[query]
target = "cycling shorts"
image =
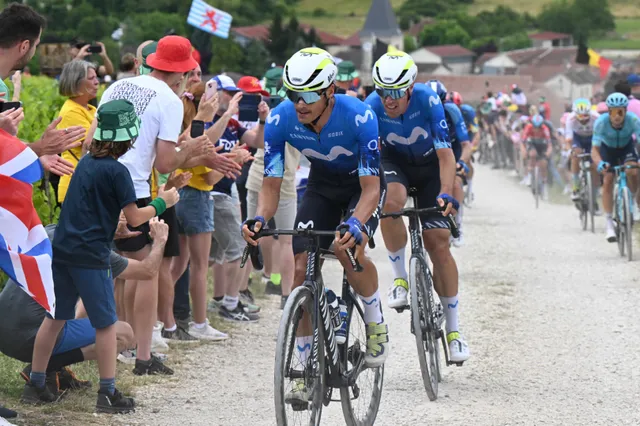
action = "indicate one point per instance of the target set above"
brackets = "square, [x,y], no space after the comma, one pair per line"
[618,156]
[583,142]
[540,146]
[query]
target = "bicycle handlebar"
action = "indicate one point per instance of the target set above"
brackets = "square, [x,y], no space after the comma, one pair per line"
[614,169]
[455,232]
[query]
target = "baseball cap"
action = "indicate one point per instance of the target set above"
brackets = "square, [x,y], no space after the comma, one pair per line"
[117,122]
[251,84]
[346,71]
[273,80]
[225,83]
[173,54]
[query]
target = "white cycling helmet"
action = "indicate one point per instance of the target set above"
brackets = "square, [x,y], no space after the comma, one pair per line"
[394,71]
[309,70]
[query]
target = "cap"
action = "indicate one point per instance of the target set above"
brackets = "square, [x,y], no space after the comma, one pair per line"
[173,54]
[249,84]
[117,122]
[273,80]
[346,71]
[146,51]
[225,83]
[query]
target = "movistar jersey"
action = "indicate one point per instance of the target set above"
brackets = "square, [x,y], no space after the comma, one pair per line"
[347,145]
[415,136]
[457,127]
[470,118]
[604,133]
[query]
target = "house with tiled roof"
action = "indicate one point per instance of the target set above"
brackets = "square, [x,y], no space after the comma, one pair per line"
[429,62]
[575,83]
[243,35]
[550,39]
[455,57]
[541,63]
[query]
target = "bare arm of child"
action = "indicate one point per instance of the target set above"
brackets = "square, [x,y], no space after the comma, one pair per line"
[137,216]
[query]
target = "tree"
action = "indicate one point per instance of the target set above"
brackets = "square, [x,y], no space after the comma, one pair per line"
[409,43]
[227,56]
[256,59]
[518,40]
[444,32]
[278,43]
[581,18]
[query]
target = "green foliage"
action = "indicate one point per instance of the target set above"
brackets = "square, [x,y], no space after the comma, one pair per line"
[227,56]
[409,44]
[44,200]
[413,9]
[42,102]
[519,40]
[444,32]
[583,19]
[318,12]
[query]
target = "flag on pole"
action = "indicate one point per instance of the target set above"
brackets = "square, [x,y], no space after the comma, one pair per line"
[25,249]
[595,60]
[208,18]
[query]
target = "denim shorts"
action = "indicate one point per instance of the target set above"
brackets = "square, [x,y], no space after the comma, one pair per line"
[195,211]
[227,243]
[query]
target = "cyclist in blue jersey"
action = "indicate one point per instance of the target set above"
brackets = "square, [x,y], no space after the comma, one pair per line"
[339,136]
[473,128]
[416,152]
[612,145]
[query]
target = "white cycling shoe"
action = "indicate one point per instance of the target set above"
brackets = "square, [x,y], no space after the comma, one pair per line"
[398,294]
[458,347]
[611,232]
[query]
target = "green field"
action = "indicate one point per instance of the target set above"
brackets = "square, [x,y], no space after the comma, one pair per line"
[627,36]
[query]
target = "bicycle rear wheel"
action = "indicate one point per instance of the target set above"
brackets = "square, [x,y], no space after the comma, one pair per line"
[628,221]
[288,366]
[592,202]
[422,307]
[536,185]
[360,403]
[584,199]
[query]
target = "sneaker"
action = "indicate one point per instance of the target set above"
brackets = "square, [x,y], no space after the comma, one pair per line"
[183,324]
[298,393]
[283,301]
[214,305]
[271,288]
[398,294]
[250,308]
[377,344]
[611,232]
[207,332]
[114,404]
[458,242]
[127,356]
[157,342]
[34,395]
[178,336]
[151,367]
[5,413]
[162,357]
[51,381]
[527,180]
[458,348]
[68,380]
[247,297]
[239,314]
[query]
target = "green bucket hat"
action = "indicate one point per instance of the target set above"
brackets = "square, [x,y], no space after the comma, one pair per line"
[485,108]
[346,71]
[117,122]
[273,81]
[146,51]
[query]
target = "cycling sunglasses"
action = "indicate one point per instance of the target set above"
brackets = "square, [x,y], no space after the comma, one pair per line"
[582,117]
[392,93]
[307,97]
[617,111]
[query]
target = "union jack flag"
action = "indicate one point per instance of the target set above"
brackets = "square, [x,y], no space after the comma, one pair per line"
[25,250]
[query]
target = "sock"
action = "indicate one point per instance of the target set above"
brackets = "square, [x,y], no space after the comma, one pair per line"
[37,379]
[108,385]
[276,279]
[450,306]
[303,345]
[230,302]
[175,326]
[397,263]
[218,299]
[65,359]
[200,326]
[576,181]
[372,308]
[470,187]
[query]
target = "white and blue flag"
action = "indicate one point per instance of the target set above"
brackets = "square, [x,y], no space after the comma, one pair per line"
[208,18]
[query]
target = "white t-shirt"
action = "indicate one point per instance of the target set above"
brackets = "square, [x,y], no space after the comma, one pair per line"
[160,111]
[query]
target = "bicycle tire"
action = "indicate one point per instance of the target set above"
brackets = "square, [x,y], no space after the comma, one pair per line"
[628,221]
[592,202]
[301,296]
[584,212]
[348,410]
[536,185]
[619,217]
[421,315]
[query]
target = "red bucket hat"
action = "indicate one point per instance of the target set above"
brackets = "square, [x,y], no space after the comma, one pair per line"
[250,84]
[172,55]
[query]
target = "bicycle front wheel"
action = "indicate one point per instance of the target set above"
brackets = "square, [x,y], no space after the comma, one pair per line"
[360,402]
[619,208]
[584,200]
[628,221]
[592,201]
[294,376]
[422,314]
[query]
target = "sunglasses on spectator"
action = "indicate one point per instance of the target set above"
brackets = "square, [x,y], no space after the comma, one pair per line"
[307,97]
[617,111]
[392,93]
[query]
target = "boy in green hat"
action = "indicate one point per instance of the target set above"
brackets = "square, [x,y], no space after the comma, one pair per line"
[273,82]
[344,79]
[100,189]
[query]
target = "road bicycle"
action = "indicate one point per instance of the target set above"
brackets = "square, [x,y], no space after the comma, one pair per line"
[586,204]
[537,184]
[329,366]
[622,210]
[427,315]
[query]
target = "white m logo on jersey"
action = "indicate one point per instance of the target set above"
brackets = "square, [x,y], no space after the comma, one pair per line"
[272,118]
[433,100]
[361,119]
[305,225]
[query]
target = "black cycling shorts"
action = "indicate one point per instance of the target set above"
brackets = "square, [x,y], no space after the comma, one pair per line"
[540,147]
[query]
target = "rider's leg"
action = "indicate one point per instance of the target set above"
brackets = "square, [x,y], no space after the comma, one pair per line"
[542,165]
[575,167]
[394,232]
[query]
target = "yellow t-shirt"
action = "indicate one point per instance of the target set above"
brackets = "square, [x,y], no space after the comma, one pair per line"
[73,114]
[197,180]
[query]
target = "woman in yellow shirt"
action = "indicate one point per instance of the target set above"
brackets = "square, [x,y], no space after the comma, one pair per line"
[79,82]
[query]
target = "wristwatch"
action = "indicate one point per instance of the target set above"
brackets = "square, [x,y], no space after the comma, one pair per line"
[263,122]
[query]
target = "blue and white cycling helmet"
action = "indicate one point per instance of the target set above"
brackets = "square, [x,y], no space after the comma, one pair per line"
[616,100]
[537,120]
[438,87]
[581,106]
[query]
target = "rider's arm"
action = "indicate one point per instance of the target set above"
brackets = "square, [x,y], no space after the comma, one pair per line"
[597,140]
[526,133]
[274,151]
[463,136]
[547,138]
[568,133]
[442,144]
[368,170]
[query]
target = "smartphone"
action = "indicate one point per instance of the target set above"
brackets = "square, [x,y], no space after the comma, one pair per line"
[274,101]
[95,48]
[211,90]
[248,107]
[197,128]
[6,106]
[340,91]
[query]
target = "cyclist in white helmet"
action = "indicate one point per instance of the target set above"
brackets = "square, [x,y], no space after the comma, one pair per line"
[416,152]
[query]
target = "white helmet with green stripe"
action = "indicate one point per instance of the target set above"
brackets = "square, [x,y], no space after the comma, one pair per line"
[394,70]
[309,70]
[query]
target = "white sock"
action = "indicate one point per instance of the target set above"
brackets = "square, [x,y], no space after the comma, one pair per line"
[450,306]
[303,346]
[470,186]
[230,302]
[200,326]
[397,263]
[175,326]
[372,308]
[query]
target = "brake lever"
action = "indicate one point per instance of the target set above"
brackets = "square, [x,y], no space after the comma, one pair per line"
[351,253]
[455,231]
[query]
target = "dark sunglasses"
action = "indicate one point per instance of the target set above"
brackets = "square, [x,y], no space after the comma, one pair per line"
[392,93]
[307,97]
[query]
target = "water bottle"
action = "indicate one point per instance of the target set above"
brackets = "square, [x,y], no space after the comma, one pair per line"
[341,333]
[334,312]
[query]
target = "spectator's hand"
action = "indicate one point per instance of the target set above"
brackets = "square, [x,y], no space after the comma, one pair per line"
[104,49]
[178,181]
[2,95]
[123,231]
[55,141]
[159,231]
[170,196]
[208,108]
[233,105]
[242,155]
[263,110]
[224,163]
[83,53]
[10,119]
[56,165]
[200,145]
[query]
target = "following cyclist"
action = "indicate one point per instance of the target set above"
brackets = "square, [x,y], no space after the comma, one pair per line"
[577,136]
[537,136]
[416,152]
[613,145]
[339,136]
[470,119]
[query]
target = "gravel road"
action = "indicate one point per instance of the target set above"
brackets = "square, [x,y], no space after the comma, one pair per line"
[550,312]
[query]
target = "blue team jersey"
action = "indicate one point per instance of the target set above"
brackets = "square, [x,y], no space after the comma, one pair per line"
[604,133]
[419,132]
[470,118]
[457,127]
[346,145]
